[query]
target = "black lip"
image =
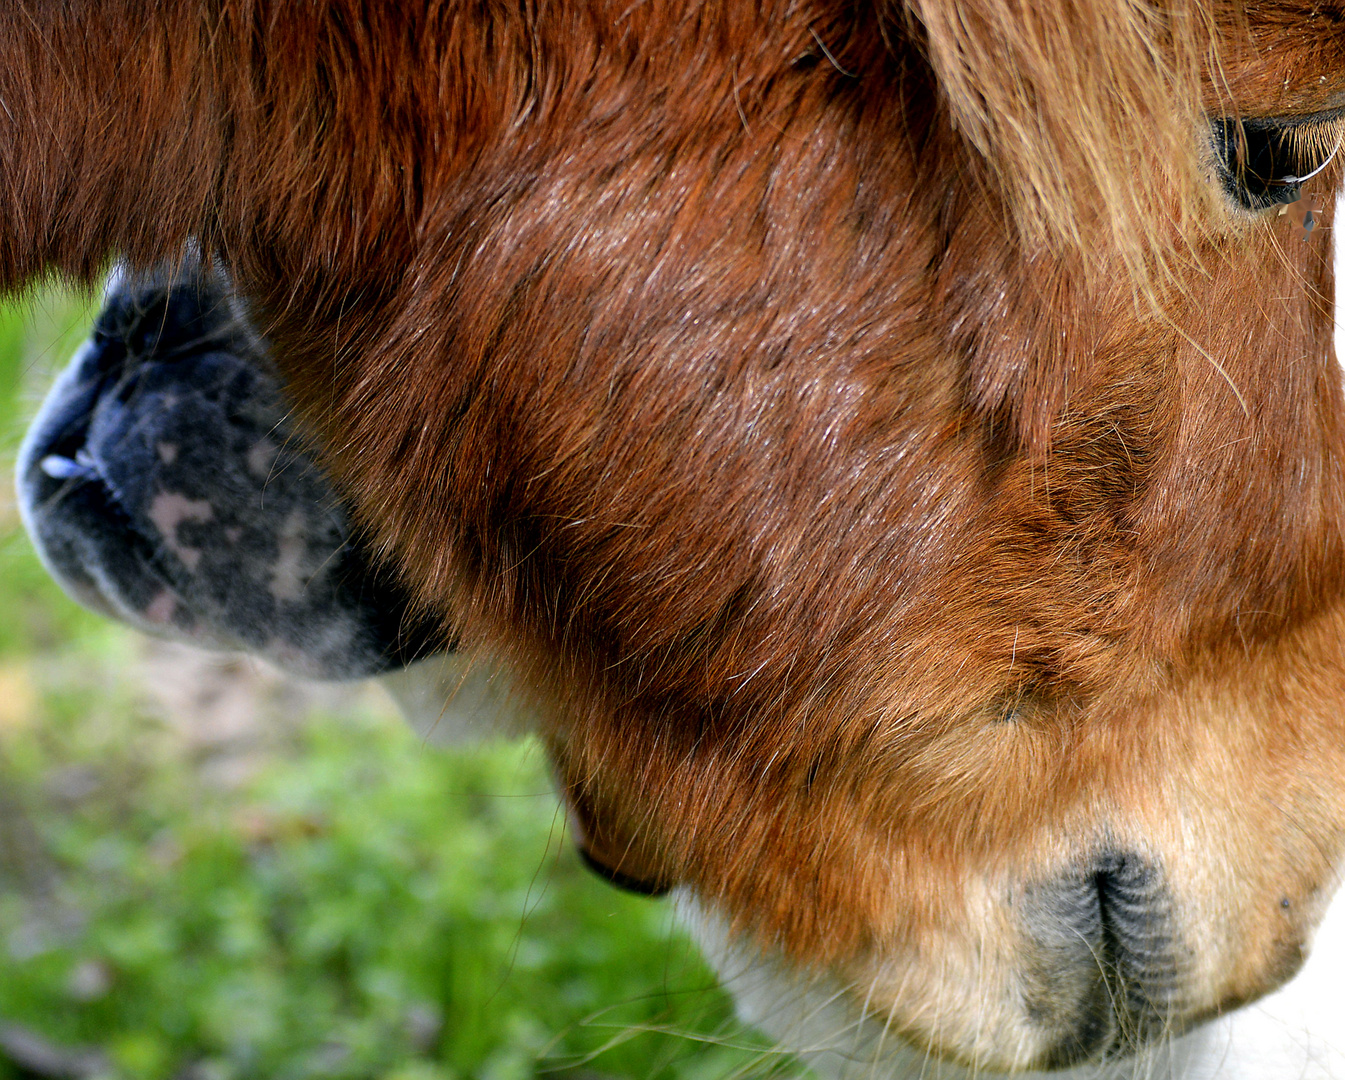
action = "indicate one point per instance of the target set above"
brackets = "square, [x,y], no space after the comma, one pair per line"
[625,882]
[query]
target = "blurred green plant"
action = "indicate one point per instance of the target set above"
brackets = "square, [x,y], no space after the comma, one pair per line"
[359,905]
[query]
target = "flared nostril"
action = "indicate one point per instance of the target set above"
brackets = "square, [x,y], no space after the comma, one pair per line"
[1105,969]
[55,467]
[1139,944]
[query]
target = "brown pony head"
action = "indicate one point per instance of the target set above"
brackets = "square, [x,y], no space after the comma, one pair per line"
[900,444]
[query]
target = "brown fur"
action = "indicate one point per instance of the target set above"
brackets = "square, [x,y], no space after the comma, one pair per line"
[870,430]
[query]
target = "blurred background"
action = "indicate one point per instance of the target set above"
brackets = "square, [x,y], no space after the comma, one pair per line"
[209,871]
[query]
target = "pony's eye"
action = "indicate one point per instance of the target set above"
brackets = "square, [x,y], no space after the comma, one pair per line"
[1264,160]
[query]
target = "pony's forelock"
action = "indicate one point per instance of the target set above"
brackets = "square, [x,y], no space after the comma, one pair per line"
[1089,117]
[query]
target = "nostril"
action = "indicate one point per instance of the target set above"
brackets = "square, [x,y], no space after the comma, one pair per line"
[1106,971]
[1136,913]
[1138,947]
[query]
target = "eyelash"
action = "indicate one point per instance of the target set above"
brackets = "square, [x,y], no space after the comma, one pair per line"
[1263,161]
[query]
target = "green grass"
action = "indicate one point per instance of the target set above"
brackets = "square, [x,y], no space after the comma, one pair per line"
[353,904]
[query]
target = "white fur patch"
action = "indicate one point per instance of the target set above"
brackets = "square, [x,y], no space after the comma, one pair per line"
[452,700]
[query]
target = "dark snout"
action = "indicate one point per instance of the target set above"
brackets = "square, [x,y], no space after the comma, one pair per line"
[163,485]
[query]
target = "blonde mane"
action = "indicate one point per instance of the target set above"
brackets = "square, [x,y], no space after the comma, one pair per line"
[1086,114]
